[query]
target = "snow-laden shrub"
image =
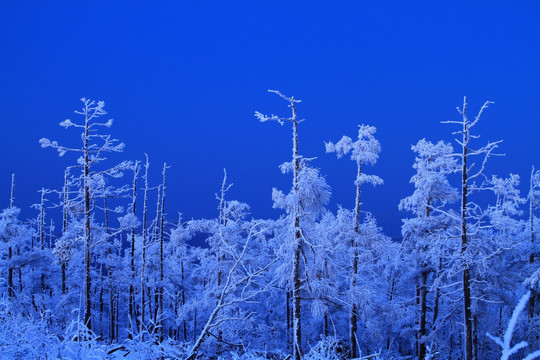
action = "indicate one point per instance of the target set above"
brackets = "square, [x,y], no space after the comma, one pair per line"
[328,348]
[143,347]
[80,343]
[25,338]
[253,355]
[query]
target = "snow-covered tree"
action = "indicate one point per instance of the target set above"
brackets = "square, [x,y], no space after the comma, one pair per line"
[534,204]
[468,216]
[363,151]
[296,214]
[433,164]
[132,306]
[93,148]
[121,280]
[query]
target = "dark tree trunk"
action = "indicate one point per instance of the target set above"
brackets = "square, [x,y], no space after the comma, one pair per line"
[475,337]
[101,301]
[423,315]
[143,250]
[326,323]
[353,320]
[436,299]
[11,289]
[11,292]
[65,224]
[132,310]
[297,316]
[466,270]
[161,258]
[532,301]
[289,318]
[297,319]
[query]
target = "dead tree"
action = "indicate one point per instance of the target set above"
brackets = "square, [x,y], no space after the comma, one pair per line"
[466,216]
[143,245]
[297,233]
[132,309]
[11,290]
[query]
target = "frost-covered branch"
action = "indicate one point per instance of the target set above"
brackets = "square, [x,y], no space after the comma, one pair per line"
[505,342]
[231,286]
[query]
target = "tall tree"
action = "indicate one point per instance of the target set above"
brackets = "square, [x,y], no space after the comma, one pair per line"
[132,307]
[433,164]
[11,292]
[297,240]
[365,150]
[92,150]
[143,245]
[467,216]
[534,203]
[161,246]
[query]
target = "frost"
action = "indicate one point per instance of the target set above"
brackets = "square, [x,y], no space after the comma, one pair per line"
[67,123]
[129,221]
[505,342]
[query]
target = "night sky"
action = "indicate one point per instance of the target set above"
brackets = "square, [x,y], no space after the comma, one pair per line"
[182,79]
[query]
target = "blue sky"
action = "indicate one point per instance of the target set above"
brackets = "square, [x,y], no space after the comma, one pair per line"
[182,80]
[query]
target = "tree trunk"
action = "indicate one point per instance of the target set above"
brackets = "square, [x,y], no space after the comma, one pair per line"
[195,326]
[112,332]
[297,325]
[466,271]
[101,301]
[423,314]
[42,232]
[183,301]
[143,250]
[532,300]
[422,297]
[297,316]
[11,290]
[353,320]
[87,233]
[132,310]
[326,323]
[437,298]
[288,296]
[297,243]
[156,289]
[475,337]
[161,265]
[65,224]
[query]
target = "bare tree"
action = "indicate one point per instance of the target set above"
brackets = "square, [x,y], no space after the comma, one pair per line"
[11,290]
[132,308]
[297,240]
[143,245]
[467,216]
[161,259]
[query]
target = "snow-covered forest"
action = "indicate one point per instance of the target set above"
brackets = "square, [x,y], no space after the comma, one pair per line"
[108,267]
